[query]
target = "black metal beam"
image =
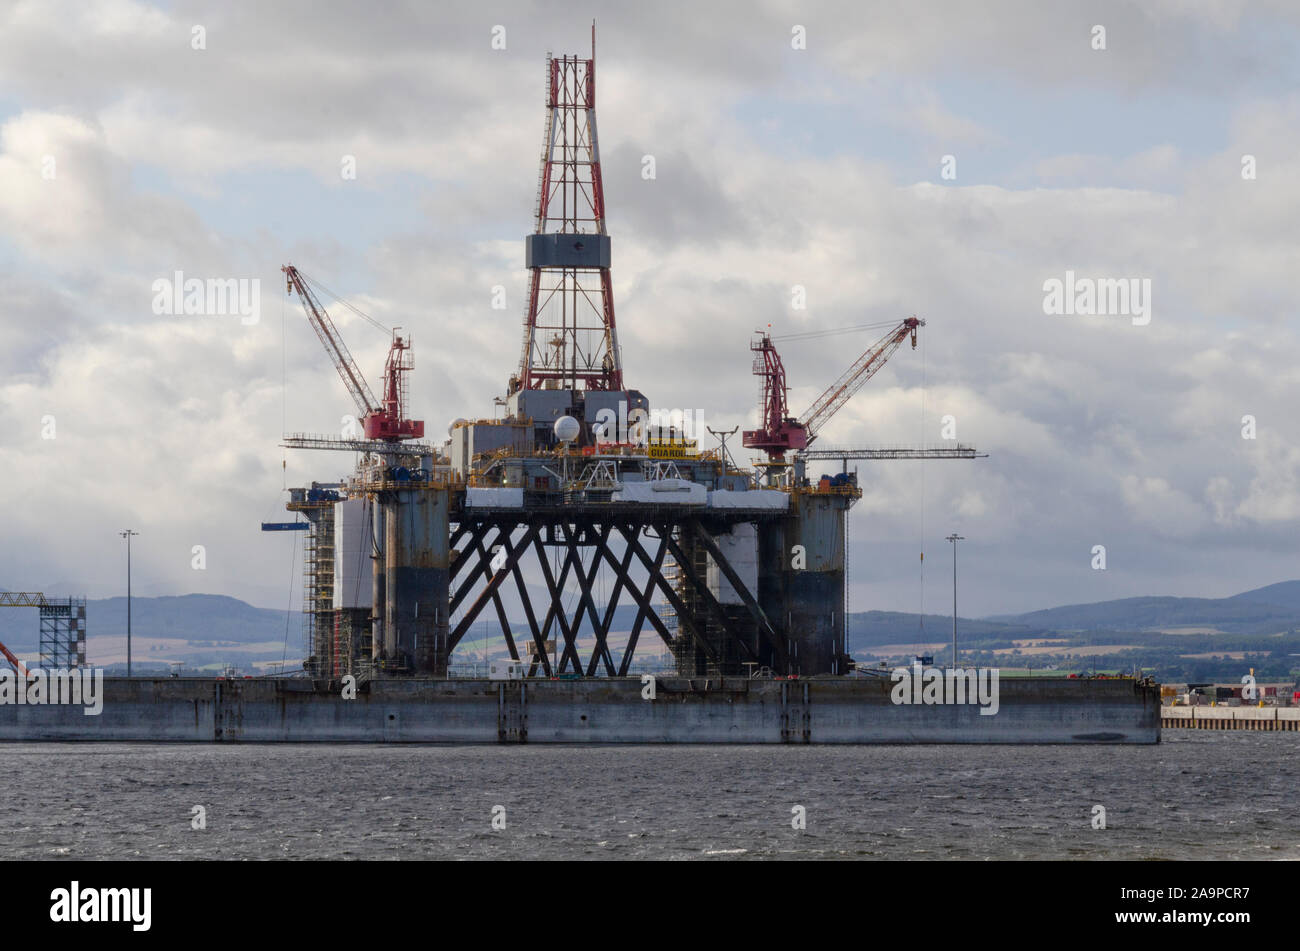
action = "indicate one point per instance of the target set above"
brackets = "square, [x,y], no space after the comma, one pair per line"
[683,616]
[596,532]
[504,621]
[463,529]
[620,574]
[710,602]
[601,651]
[533,532]
[556,610]
[646,610]
[765,628]
[574,560]
[494,582]
[586,577]
[477,533]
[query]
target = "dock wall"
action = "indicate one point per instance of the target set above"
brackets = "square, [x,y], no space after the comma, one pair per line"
[1231,718]
[604,710]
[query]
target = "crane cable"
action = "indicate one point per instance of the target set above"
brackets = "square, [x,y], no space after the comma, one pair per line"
[284,394]
[830,332]
[284,476]
[318,286]
[921,611]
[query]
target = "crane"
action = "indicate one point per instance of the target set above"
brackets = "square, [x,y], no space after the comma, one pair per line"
[384,421]
[782,433]
[13,661]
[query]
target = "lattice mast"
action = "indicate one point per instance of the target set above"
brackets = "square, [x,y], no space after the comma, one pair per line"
[570,341]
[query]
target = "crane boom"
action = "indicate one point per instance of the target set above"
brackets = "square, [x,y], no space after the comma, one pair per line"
[852,379]
[385,420]
[895,452]
[17,664]
[782,433]
[19,599]
[338,352]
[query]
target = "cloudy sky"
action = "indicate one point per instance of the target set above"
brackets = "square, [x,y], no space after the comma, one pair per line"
[128,154]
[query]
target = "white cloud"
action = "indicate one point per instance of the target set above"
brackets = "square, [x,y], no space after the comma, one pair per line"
[1096,428]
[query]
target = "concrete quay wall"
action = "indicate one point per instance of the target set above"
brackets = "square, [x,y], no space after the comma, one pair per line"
[815,710]
[1267,719]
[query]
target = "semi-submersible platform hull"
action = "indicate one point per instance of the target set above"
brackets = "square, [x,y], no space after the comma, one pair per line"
[847,710]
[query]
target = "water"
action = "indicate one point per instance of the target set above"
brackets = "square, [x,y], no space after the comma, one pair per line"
[1198,795]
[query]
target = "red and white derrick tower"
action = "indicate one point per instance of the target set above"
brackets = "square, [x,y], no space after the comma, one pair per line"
[570,341]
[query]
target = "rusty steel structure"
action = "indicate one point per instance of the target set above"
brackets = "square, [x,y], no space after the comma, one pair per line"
[709,635]
[571,527]
[570,340]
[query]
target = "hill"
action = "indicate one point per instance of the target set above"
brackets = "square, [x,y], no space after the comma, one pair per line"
[1265,610]
[1284,594]
[190,617]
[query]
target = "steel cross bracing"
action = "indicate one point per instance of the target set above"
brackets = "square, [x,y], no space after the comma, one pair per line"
[21,599]
[491,552]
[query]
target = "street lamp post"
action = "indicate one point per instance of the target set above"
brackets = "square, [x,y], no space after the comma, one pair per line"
[954,538]
[127,535]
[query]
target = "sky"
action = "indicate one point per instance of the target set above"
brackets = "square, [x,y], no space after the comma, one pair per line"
[947,160]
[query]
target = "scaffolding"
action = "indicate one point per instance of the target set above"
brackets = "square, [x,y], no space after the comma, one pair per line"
[318,629]
[63,633]
[62,642]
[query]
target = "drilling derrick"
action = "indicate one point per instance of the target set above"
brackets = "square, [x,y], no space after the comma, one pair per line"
[570,342]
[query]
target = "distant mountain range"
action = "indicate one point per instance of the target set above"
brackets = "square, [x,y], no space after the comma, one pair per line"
[189,617]
[1285,593]
[209,622]
[1261,611]
[1175,639]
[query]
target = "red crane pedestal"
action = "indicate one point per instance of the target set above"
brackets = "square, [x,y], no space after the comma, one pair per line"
[389,422]
[782,433]
[384,420]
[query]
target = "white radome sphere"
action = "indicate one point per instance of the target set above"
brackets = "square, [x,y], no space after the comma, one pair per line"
[459,421]
[567,429]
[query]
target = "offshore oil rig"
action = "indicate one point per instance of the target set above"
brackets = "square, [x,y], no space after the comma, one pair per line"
[576,505]
[579,486]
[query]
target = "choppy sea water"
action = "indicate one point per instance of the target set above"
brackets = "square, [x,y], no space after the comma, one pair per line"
[1197,795]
